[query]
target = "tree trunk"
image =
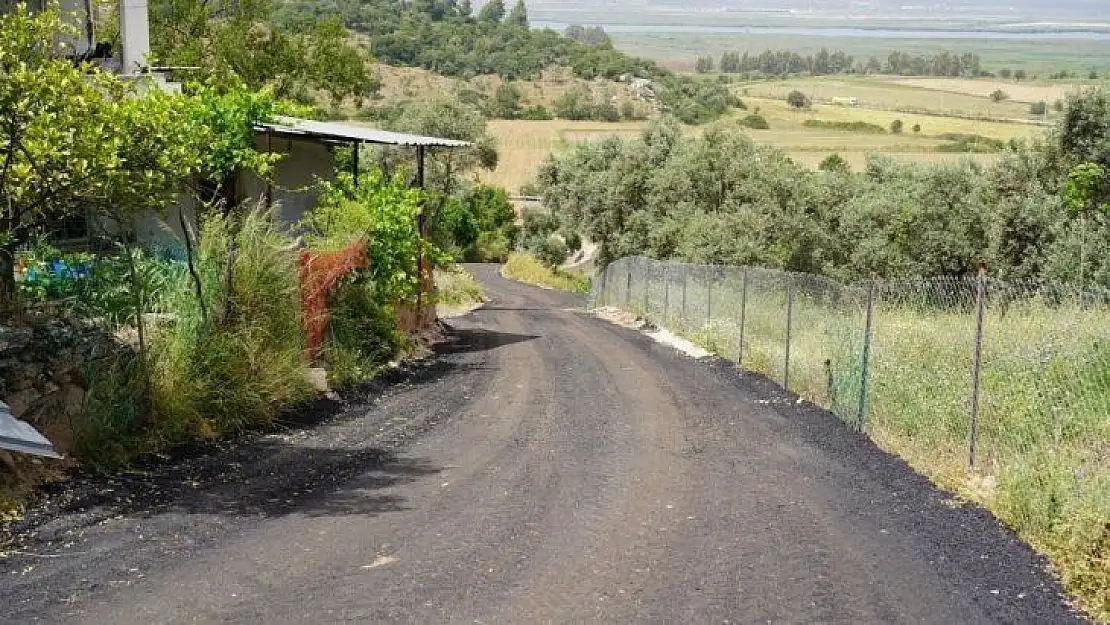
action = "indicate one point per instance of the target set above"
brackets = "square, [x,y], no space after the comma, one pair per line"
[187,233]
[140,326]
[9,298]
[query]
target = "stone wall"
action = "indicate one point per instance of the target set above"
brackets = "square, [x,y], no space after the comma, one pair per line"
[43,369]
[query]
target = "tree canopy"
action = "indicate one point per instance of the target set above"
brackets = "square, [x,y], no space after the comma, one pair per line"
[241,41]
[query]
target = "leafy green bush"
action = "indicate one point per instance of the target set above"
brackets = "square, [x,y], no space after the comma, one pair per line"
[755,121]
[538,226]
[537,113]
[797,99]
[834,163]
[492,247]
[575,104]
[573,241]
[362,331]
[552,252]
[381,212]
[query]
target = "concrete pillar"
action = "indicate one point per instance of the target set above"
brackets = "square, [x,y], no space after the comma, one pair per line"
[134,31]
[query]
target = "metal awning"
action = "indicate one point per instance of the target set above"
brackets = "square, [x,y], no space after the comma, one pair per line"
[16,435]
[335,131]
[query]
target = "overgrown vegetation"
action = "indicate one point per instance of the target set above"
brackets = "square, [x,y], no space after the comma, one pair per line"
[527,268]
[229,347]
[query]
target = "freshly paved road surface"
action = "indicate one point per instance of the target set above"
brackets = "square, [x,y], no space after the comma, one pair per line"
[549,467]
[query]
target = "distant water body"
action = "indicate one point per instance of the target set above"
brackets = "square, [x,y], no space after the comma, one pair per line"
[874,33]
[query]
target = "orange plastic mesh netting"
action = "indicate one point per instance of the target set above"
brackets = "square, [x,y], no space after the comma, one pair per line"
[319,273]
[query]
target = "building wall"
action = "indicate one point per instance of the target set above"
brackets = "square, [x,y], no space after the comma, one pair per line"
[296,176]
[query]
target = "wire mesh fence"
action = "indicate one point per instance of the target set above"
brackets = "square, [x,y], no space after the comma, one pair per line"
[1011,378]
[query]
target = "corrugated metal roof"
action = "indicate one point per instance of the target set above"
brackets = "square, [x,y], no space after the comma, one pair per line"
[348,132]
[16,435]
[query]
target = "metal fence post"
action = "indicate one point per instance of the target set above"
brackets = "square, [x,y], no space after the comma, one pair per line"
[865,366]
[743,314]
[685,279]
[628,290]
[977,362]
[708,295]
[789,325]
[666,292]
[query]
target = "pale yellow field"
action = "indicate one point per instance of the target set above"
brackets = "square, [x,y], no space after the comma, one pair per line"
[890,94]
[858,160]
[523,145]
[940,106]
[1018,91]
[782,117]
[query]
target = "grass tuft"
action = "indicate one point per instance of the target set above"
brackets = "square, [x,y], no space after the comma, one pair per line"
[525,268]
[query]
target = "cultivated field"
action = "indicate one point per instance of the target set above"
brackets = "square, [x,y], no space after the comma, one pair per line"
[525,144]
[942,96]
[1018,91]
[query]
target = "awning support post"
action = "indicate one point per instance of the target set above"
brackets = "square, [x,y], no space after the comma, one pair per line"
[356,148]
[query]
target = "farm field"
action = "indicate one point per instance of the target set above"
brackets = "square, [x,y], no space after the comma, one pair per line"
[942,96]
[524,145]
[1019,91]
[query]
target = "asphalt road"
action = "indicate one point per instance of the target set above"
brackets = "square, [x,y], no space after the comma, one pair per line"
[549,467]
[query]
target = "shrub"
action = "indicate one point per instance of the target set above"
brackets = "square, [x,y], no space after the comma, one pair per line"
[537,113]
[362,331]
[896,127]
[574,104]
[492,247]
[999,95]
[797,99]
[607,112]
[857,126]
[573,241]
[539,224]
[917,129]
[230,361]
[970,143]
[552,252]
[755,121]
[835,163]
[1038,108]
